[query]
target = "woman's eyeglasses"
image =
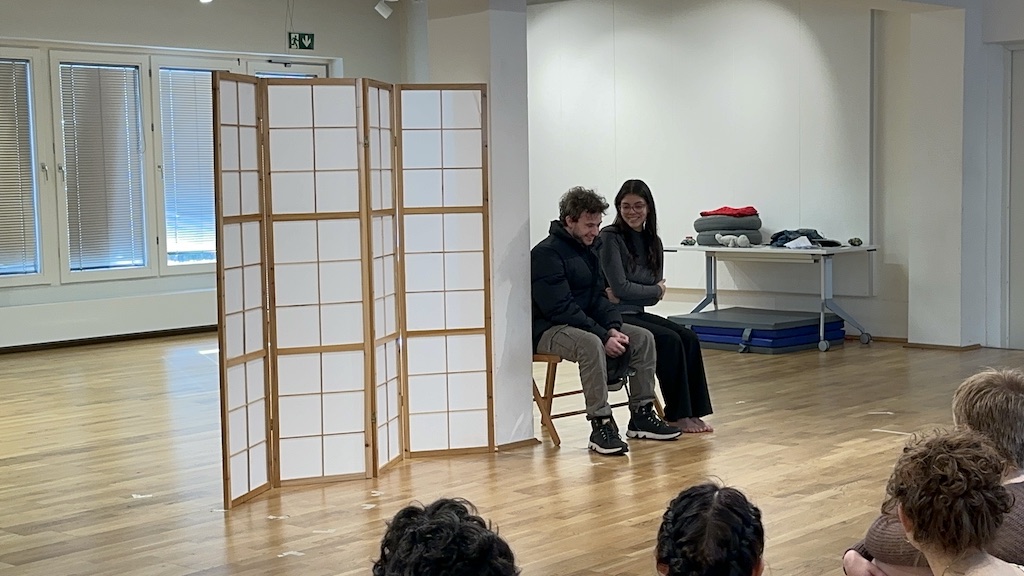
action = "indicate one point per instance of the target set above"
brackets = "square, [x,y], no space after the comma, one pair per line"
[638,207]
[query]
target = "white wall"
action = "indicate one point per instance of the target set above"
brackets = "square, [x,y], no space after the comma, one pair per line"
[458,33]
[712,103]
[348,29]
[96,309]
[1004,21]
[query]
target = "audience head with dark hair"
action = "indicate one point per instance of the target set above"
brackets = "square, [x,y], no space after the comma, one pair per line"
[709,530]
[947,491]
[445,538]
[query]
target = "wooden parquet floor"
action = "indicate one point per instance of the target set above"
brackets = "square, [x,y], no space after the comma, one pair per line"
[110,464]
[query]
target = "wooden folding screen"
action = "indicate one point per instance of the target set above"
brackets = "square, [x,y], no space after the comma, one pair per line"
[383,216]
[446,252]
[330,295]
[241,289]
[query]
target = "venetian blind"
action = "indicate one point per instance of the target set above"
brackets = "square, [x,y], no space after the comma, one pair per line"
[19,240]
[103,159]
[186,122]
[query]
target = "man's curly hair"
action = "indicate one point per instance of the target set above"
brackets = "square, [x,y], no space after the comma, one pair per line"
[710,530]
[949,485]
[445,538]
[579,201]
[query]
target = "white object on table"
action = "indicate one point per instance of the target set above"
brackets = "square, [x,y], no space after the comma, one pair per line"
[801,242]
[823,256]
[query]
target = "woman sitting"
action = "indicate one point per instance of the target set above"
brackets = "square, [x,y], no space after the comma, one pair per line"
[948,493]
[632,258]
[711,531]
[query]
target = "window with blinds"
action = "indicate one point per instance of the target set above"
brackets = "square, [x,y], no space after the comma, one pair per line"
[101,115]
[186,123]
[19,230]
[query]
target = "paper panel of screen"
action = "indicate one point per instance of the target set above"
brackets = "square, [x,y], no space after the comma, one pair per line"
[318,279]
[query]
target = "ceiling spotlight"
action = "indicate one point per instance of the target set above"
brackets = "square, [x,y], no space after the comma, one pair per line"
[383,9]
[205,1]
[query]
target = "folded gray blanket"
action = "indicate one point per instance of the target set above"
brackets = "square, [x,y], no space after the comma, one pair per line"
[708,238]
[721,222]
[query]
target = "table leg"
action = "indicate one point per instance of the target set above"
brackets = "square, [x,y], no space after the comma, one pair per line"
[827,303]
[826,294]
[710,284]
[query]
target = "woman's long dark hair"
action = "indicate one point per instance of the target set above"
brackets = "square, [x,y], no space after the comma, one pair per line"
[650,231]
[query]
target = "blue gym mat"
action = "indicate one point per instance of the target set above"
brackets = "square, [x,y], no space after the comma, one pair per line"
[736,339]
[760,330]
[785,333]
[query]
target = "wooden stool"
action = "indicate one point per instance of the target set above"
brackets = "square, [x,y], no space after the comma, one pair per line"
[544,401]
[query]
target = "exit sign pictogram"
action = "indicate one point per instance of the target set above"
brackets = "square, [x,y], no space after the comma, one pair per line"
[300,41]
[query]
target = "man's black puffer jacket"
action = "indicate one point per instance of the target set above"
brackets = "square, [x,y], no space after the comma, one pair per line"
[568,286]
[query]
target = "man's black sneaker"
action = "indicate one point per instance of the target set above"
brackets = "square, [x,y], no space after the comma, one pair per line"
[645,423]
[605,438]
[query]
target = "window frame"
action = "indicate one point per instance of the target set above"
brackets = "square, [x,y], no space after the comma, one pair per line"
[259,67]
[181,63]
[149,196]
[46,202]
[45,58]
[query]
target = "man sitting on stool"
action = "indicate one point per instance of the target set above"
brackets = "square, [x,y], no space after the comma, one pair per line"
[573,318]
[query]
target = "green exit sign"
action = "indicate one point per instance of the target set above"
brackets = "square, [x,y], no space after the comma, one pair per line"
[300,41]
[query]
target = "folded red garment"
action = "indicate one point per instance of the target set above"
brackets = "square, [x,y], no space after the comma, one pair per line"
[730,211]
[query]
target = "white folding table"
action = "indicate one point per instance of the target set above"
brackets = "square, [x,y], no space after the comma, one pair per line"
[821,256]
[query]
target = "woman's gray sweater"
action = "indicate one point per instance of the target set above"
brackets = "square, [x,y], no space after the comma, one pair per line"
[632,281]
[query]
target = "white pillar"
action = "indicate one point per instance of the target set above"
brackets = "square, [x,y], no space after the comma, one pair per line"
[485,41]
[417,64]
[935,220]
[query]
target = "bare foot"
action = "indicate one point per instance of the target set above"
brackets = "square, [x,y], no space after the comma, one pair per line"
[692,426]
[707,427]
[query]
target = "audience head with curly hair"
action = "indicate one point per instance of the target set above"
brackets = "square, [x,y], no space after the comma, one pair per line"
[445,538]
[992,402]
[709,530]
[947,491]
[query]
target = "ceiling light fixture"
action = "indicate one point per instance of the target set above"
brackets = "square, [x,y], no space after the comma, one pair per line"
[205,1]
[383,9]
